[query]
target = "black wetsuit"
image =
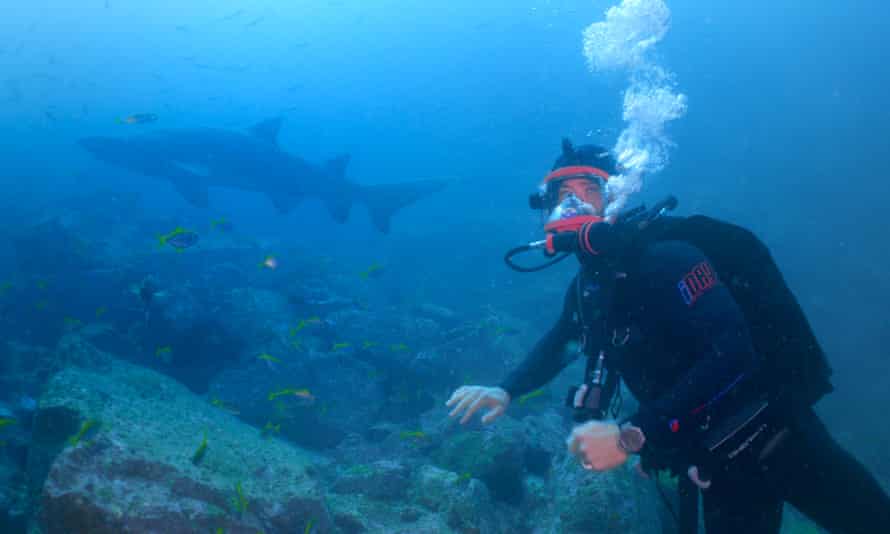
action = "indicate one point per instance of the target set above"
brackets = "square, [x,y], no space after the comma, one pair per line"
[690,362]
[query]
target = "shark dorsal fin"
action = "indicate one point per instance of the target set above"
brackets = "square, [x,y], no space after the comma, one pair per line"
[267,130]
[337,166]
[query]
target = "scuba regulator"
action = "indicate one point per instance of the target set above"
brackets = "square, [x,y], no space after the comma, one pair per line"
[561,245]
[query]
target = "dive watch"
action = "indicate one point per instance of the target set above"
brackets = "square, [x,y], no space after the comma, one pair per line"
[631,439]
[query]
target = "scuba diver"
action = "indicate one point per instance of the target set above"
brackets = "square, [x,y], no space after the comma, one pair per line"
[694,317]
[148,292]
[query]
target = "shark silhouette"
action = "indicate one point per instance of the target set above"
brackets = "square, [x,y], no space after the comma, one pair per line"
[194,159]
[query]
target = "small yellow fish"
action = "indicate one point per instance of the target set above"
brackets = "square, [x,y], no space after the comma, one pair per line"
[505,331]
[339,346]
[271,262]
[7,421]
[200,451]
[139,118]
[301,393]
[100,311]
[221,224]
[412,434]
[369,344]
[179,238]
[240,500]
[41,305]
[71,322]
[5,287]
[303,324]
[85,427]
[666,479]
[398,347]
[271,429]
[268,357]
[164,353]
[308,529]
[224,406]
[531,395]
[374,270]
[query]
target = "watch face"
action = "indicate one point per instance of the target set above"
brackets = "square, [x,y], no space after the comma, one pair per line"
[632,438]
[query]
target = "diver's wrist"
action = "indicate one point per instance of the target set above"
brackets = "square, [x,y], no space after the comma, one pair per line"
[631,438]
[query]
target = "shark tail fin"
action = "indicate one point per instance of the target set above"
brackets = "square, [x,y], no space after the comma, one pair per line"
[383,201]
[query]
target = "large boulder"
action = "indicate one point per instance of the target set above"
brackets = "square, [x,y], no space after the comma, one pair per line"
[500,455]
[491,455]
[13,488]
[463,501]
[129,450]
[385,480]
[618,501]
[523,464]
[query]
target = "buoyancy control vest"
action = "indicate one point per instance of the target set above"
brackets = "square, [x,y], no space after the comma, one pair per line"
[795,370]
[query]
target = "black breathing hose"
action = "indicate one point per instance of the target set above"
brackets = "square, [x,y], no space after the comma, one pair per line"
[508,259]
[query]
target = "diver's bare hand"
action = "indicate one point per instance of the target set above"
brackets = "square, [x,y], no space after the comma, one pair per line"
[595,444]
[470,399]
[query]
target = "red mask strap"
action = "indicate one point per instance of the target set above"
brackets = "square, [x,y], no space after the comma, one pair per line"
[577,171]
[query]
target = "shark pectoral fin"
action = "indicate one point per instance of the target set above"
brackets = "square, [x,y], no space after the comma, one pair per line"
[384,200]
[285,203]
[196,169]
[194,192]
[338,207]
[267,130]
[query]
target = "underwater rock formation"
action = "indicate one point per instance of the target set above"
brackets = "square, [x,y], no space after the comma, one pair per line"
[130,450]
[464,501]
[116,448]
[617,501]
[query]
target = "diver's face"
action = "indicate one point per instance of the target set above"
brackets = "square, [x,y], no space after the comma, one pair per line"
[586,191]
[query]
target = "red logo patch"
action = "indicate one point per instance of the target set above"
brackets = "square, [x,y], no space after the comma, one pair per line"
[696,282]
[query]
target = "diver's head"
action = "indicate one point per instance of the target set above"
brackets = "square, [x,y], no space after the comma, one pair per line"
[574,192]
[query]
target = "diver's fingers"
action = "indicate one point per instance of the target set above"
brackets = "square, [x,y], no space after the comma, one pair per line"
[572,441]
[460,398]
[478,402]
[467,399]
[458,393]
[493,414]
[575,439]
[694,476]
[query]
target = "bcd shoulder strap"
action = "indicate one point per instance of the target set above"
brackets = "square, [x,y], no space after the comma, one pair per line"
[796,368]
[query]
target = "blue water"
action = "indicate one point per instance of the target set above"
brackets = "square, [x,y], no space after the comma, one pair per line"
[785,133]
